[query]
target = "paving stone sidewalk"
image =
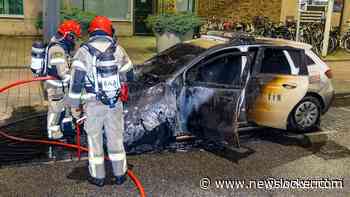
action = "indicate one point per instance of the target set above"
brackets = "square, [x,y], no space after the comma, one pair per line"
[341,76]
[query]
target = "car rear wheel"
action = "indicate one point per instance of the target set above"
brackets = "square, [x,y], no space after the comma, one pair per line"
[305,116]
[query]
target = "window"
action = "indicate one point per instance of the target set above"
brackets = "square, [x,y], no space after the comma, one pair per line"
[173,59]
[253,51]
[120,10]
[11,7]
[184,5]
[275,62]
[73,3]
[296,57]
[225,70]
[309,61]
[114,9]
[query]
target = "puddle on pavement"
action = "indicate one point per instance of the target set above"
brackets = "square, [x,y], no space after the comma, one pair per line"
[14,153]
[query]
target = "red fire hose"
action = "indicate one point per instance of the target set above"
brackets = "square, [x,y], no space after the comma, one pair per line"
[20,82]
[79,148]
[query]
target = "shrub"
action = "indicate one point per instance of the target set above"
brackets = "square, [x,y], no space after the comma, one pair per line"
[178,23]
[83,17]
[39,24]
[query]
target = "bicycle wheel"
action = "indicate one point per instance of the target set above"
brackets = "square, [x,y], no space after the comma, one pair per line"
[347,44]
[331,45]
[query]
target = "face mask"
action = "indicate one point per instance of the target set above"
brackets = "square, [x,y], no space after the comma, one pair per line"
[69,41]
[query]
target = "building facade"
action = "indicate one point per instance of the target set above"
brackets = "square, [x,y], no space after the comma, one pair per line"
[276,10]
[18,17]
[240,10]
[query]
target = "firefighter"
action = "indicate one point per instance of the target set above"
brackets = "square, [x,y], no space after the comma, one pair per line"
[55,62]
[97,69]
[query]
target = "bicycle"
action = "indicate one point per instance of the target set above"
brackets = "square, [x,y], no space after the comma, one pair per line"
[344,41]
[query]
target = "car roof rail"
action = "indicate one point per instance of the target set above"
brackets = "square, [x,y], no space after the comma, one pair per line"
[233,38]
[242,39]
[216,38]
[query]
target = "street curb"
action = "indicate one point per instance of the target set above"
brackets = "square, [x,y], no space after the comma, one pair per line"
[342,95]
[337,60]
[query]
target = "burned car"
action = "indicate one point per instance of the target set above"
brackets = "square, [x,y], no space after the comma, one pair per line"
[212,86]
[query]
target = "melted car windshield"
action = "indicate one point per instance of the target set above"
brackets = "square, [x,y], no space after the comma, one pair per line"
[172,59]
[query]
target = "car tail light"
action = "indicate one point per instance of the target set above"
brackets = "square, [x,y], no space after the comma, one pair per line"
[329,74]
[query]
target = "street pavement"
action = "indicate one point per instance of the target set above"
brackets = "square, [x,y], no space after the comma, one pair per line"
[268,154]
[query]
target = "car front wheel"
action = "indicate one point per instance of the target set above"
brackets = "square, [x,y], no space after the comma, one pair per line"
[305,116]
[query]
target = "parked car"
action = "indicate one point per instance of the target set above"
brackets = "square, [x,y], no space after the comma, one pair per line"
[209,85]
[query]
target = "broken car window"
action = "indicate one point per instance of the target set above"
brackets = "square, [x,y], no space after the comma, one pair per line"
[173,59]
[225,70]
[275,62]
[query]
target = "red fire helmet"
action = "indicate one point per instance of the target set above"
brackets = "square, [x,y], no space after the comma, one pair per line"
[101,23]
[70,26]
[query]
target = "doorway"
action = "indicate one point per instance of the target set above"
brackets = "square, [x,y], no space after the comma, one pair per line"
[143,8]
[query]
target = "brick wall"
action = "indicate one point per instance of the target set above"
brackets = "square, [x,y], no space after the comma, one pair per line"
[240,10]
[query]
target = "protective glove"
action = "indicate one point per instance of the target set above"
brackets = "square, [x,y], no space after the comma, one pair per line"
[124,92]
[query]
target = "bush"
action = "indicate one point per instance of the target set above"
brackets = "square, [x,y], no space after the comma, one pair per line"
[39,23]
[178,23]
[83,17]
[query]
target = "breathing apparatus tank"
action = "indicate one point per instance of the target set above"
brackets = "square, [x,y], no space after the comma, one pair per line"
[107,86]
[38,58]
[67,125]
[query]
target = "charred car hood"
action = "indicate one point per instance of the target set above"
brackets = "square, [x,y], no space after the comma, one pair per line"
[150,117]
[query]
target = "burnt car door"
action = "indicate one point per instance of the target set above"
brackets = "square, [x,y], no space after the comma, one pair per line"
[278,83]
[210,93]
